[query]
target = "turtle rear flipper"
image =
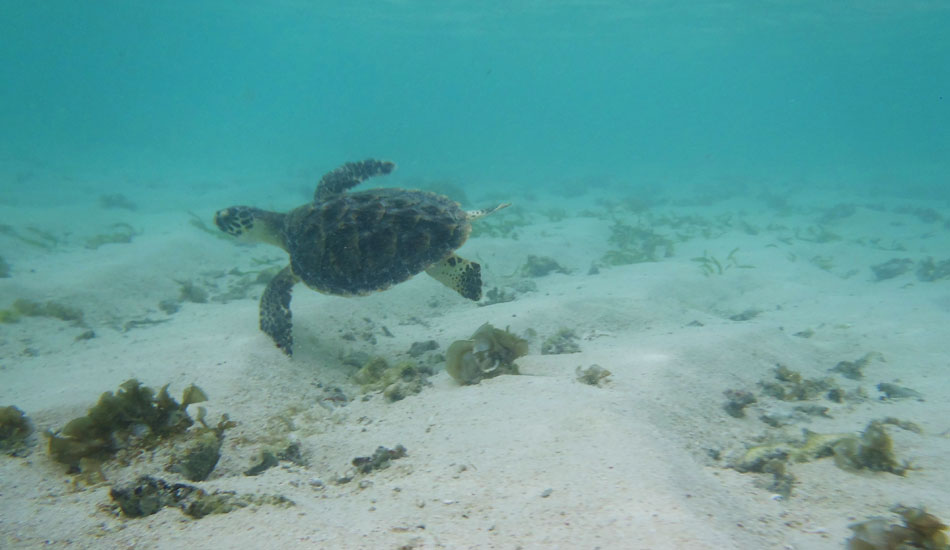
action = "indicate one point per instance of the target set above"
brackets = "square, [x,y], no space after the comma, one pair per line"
[459,274]
[276,319]
[350,175]
[481,213]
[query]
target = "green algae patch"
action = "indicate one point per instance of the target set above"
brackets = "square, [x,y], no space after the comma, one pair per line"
[133,416]
[488,353]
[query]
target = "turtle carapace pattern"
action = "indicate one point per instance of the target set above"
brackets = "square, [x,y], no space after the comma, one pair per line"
[353,244]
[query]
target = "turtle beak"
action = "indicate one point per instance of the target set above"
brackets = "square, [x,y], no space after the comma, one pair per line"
[218,218]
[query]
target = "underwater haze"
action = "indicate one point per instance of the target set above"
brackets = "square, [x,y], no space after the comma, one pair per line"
[489,92]
[651,274]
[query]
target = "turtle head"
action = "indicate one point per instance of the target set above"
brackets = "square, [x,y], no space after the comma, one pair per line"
[251,224]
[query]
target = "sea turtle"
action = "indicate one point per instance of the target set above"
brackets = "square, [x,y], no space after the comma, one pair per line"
[352,244]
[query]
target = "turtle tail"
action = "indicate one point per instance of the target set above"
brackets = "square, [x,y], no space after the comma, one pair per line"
[481,213]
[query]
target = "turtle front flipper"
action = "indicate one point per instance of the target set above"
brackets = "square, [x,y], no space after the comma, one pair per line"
[276,319]
[459,274]
[350,175]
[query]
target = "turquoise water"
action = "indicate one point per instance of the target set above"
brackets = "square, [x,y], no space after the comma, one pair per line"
[796,94]
[711,200]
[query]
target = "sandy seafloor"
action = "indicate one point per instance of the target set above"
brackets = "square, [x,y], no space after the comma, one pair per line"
[531,461]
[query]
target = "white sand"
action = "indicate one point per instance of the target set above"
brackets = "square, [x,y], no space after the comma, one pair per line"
[532,461]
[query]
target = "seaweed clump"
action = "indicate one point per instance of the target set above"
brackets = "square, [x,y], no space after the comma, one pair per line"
[809,447]
[381,459]
[122,233]
[268,458]
[594,375]
[116,200]
[926,215]
[42,239]
[873,450]
[737,401]
[200,455]
[200,458]
[635,245]
[710,265]
[147,495]
[539,266]
[132,416]
[837,212]
[894,391]
[396,382]
[929,271]
[497,295]
[191,292]
[854,369]
[791,386]
[51,309]
[15,428]
[562,341]
[920,530]
[891,268]
[506,225]
[420,348]
[746,315]
[776,456]
[488,353]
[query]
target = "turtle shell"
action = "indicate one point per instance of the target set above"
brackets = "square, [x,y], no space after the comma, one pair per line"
[357,243]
